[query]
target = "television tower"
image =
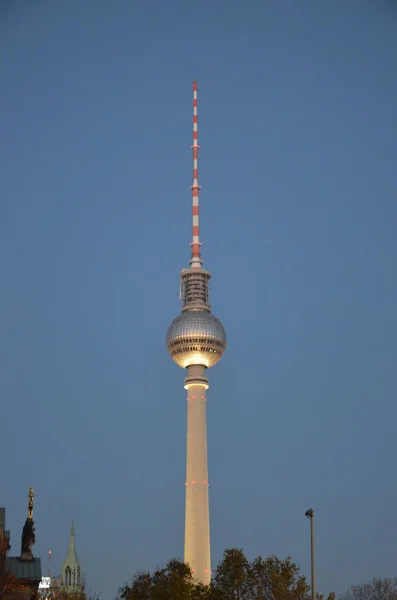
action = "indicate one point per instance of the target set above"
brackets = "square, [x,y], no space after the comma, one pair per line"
[196,341]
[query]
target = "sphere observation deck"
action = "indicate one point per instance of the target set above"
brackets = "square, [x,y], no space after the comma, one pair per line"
[196,337]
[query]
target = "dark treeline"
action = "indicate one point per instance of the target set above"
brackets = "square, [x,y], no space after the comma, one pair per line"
[235,578]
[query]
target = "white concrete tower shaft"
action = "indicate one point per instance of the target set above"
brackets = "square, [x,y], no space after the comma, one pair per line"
[197,519]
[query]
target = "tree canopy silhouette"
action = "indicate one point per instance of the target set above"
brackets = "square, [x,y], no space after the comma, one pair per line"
[235,578]
[377,589]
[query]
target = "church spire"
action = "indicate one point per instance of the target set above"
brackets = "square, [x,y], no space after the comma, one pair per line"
[71,573]
[72,556]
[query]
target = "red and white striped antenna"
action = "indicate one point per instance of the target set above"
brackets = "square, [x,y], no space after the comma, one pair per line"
[195,261]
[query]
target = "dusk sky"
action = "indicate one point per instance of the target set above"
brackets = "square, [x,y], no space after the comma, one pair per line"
[297,128]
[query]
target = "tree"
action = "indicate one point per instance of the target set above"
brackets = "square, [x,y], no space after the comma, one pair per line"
[231,577]
[59,593]
[271,579]
[235,578]
[377,589]
[275,578]
[10,588]
[174,582]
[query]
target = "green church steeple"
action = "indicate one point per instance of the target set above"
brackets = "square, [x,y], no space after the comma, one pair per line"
[71,572]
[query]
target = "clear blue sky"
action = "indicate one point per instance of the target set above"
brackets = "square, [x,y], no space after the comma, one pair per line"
[297,118]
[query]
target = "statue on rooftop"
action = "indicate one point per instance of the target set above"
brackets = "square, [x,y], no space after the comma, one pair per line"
[28,532]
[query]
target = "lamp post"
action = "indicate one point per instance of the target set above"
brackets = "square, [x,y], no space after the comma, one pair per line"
[310,515]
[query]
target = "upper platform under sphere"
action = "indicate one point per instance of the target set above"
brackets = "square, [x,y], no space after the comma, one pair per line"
[196,337]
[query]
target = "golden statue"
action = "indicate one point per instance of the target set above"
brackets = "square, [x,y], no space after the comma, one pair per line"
[30,509]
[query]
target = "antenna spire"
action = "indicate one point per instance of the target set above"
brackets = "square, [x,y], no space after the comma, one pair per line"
[195,261]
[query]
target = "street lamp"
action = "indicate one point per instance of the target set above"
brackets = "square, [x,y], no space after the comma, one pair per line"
[310,515]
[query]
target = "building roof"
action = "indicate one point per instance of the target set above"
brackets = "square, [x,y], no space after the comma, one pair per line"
[24,569]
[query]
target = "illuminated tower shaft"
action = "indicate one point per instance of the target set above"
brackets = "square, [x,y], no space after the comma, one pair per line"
[196,341]
[197,518]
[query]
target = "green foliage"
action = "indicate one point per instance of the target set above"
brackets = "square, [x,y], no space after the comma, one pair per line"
[235,578]
[275,578]
[231,576]
[175,582]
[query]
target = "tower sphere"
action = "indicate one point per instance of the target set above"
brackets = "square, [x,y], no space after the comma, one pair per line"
[196,337]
